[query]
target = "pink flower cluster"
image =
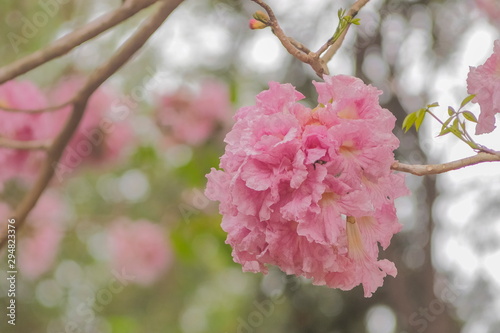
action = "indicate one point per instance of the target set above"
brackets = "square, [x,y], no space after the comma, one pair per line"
[38,243]
[484,82]
[311,191]
[22,127]
[99,139]
[190,118]
[140,248]
[490,8]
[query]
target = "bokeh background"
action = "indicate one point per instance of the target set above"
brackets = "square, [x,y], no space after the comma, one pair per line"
[125,241]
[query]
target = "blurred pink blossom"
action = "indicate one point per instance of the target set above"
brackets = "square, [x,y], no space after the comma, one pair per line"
[311,191]
[192,118]
[22,127]
[140,248]
[38,244]
[484,82]
[100,138]
[490,8]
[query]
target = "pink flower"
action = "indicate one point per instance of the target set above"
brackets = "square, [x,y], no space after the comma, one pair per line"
[140,248]
[192,118]
[490,8]
[311,191]
[255,24]
[100,138]
[22,126]
[484,82]
[38,244]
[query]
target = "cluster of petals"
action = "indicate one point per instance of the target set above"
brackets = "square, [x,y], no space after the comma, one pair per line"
[101,138]
[484,82]
[38,243]
[140,249]
[490,8]
[20,126]
[311,190]
[191,118]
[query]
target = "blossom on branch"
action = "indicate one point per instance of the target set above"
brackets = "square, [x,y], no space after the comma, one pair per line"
[140,249]
[490,8]
[484,82]
[101,137]
[189,118]
[311,191]
[38,243]
[20,126]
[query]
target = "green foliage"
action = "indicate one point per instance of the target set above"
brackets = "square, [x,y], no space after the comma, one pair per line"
[467,100]
[344,22]
[455,124]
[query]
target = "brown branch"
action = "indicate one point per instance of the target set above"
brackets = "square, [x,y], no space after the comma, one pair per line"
[24,145]
[284,39]
[433,169]
[98,76]
[333,48]
[296,49]
[300,51]
[66,43]
[47,109]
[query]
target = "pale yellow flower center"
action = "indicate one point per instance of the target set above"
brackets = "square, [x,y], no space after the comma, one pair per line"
[4,104]
[355,243]
[348,113]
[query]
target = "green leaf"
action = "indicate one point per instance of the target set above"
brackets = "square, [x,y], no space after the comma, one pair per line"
[420,115]
[341,13]
[462,124]
[433,105]
[470,116]
[356,21]
[444,131]
[455,129]
[467,100]
[409,121]
[451,111]
[447,122]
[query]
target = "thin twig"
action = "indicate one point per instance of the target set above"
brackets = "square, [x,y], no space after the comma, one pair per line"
[300,51]
[47,109]
[24,145]
[284,39]
[296,49]
[72,40]
[433,169]
[98,76]
[331,49]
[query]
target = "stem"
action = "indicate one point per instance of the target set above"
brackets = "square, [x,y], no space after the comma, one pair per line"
[100,74]
[333,48]
[24,145]
[433,169]
[72,40]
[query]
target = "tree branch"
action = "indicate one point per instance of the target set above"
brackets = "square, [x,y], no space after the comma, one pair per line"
[333,48]
[300,51]
[433,169]
[284,39]
[97,77]
[296,49]
[24,145]
[47,109]
[66,43]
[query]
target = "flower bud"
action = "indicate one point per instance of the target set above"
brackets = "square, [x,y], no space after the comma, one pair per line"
[261,16]
[255,24]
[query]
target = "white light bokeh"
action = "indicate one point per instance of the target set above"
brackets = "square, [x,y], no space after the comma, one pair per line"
[380,319]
